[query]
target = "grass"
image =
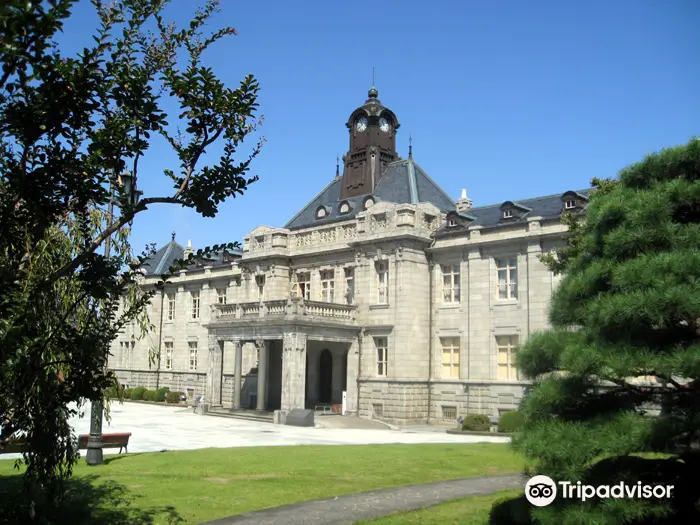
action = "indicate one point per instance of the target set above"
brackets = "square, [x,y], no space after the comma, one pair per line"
[189,487]
[468,511]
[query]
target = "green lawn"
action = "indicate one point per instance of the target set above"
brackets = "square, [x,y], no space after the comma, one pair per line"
[189,487]
[468,511]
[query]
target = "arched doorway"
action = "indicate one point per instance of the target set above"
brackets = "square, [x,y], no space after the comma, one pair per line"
[325,376]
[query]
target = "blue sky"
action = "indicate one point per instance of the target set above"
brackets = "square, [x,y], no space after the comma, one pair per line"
[508,99]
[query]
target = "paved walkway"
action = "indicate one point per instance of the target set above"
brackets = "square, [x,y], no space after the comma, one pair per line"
[370,505]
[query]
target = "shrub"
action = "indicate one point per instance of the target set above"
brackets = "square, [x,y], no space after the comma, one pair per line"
[137,393]
[128,392]
[514,511]
[111,392]
[510,421]
[160,394]
[173,397]
[149,395]
[477,423]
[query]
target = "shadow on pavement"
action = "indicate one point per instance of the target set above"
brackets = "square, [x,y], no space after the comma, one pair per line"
[88,502]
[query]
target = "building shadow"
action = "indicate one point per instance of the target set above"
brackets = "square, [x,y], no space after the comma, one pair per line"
[88,501]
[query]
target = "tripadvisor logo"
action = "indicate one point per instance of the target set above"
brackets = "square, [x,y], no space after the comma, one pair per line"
[542,490]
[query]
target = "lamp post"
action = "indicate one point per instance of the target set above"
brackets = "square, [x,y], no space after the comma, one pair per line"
[94,455]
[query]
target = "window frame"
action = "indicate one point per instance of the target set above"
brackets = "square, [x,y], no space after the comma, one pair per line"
[172,306]
[507,214]
[196,304]
[382,281]
[503,264]
[168,355]
[304,286]
[260,283]
[450,345]
[221,293]
[327,285]
[454,283]
[569,204]
[510,343]
[193,350]
[349,276]
[381,345]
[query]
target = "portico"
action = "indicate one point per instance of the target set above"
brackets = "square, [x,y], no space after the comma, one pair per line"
[297,362]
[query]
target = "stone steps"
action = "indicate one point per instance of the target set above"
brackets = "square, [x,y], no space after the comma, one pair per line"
[248,415]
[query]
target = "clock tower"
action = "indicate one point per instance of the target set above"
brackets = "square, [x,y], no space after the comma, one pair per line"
[372,146]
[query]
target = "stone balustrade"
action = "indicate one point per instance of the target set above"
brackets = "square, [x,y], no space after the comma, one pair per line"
[280,308]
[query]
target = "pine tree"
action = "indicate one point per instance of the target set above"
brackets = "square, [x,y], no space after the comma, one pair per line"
[616,393]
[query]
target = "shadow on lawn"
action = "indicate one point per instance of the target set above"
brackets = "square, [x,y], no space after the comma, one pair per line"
[88,502]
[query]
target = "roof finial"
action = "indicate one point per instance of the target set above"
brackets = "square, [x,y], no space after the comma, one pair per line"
[172,237]
[372,76]
[410,147]
[337,165]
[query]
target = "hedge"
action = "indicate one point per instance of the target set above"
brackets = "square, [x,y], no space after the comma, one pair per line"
[160,394]
[173,397]
[510,422]
[149,395]
[137,393]
[477,423]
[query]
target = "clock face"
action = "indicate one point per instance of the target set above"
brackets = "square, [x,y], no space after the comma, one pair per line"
[383,125]
[361,124]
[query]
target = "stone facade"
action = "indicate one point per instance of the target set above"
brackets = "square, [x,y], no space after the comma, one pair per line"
[413,309]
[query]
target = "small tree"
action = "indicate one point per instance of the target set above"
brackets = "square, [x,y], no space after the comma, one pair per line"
[624,345]
[68,125]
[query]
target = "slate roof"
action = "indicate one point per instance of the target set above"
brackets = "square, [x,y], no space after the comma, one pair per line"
[403,182]
[166,256]
[548,207]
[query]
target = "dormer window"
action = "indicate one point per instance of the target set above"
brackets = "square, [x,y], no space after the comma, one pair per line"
[573,201]
[344,208]
[321,212]
[507,214]
[451,223]
[569,204]
[369,202]
[513,211]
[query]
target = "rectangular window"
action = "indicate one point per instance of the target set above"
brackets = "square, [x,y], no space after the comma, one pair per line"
[450,283]
[349,285]
[193,355]
[507,287]
[168,355]
[260,282]
[382,282]
[171,306]
[568,205]
[304,285]
[195,304]
[507,345]
[327,286]
[507,214]
[450,356]
[221,295]
[381,344]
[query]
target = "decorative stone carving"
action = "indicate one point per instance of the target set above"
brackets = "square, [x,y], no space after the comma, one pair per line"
[327,235]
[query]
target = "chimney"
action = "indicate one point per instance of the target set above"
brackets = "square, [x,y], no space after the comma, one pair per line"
[464,203]
[189,250]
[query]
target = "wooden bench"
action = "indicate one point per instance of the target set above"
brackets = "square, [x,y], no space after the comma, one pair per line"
[120,441]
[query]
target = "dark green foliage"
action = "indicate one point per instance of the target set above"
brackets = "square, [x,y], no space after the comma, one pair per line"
[128,392]
[513,511]
[173,397]
[160,394]
[510,421]
[69,122]
[137,393]
[149,395]
[624,344]
[477,423]
[111,392]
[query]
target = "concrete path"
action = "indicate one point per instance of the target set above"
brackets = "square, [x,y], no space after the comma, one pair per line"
[154,428]
[370,505]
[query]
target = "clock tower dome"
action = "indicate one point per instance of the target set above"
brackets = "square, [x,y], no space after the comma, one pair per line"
[372,146]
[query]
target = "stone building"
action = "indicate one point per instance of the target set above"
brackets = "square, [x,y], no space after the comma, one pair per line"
[381,287]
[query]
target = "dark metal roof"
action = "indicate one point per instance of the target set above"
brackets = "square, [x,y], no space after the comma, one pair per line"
[166,256]
[549,207]
[403,182]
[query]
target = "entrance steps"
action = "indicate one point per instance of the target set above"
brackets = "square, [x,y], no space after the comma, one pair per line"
[248,415]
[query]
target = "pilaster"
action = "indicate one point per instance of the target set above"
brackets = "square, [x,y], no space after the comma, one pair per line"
[293,370]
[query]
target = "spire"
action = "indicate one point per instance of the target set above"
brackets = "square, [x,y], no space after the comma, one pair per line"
[172,238]
[410,147]
[373,93]
[337,166]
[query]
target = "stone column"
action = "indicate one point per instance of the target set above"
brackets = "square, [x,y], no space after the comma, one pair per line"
[313,363]
[238,375]
[262,373]
[353,373]
[337,377]
[214,373]
[293,370]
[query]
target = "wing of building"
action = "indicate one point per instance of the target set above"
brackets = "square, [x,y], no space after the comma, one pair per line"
[381,288]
